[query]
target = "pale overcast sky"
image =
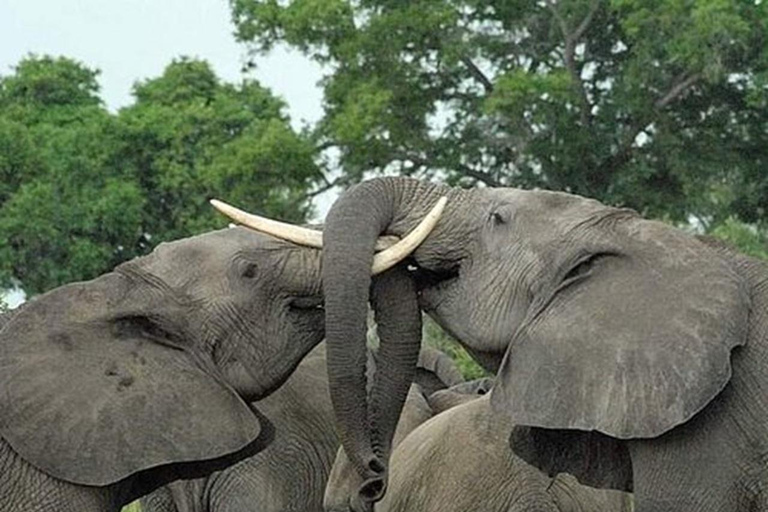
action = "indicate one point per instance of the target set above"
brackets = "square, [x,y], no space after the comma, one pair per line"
[130,40]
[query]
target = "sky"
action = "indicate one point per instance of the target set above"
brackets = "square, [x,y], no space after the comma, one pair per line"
[130,40]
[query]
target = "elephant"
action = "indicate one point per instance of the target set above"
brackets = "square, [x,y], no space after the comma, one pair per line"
[341,493]
[602,327]
[291,473]
[113,387]
[443,442]
[450,455]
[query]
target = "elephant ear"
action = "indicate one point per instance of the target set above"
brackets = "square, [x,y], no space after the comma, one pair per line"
[637,345]
[92,401]
[435,370]
[445,399]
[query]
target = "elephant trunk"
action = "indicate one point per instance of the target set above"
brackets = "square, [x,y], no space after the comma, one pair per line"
[351,229]
[398,321]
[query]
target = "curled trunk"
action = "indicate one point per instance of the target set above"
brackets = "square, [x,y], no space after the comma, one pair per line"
[385,206]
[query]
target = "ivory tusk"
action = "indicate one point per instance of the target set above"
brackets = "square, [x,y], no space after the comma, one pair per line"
[296,234]
[285,231]
[392,250]
[390,257]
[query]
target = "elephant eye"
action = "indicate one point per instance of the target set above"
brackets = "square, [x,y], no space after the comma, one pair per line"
[249,271]
[498,219]
[580,269]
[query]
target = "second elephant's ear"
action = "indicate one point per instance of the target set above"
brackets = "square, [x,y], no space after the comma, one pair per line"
[435,371]
[638,345]
[92,400]
[445,399]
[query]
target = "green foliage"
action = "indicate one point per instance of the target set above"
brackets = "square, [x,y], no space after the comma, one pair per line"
[49,82]
[657,105]
[188,138]
[83,189]
[133,507]
[747,238]
[434,336]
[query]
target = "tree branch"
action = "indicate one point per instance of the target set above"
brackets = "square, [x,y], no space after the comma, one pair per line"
[328,186]
[586,21]
[326,145]
[624,153]
[478,74]
[560,21]
[479,175]
[676,90]
[571,39]
[464,169]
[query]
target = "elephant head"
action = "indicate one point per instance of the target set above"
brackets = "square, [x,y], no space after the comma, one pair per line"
[148,366]
[367,431]
[594,318]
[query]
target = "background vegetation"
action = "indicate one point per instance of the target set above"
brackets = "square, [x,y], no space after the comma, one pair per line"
[658,105]
[82,189]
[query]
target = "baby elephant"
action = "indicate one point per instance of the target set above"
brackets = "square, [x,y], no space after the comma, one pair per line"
[460,460]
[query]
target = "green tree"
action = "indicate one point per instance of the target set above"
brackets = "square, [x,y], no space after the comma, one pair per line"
[654,104]
[57,210]
[45,82]
[189,137]
[83,189]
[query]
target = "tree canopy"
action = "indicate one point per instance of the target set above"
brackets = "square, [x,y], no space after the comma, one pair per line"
[84,189]
[659,105]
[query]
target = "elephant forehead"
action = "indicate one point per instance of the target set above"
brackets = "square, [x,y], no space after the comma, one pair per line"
[217,243]
[546,203]
[207,257]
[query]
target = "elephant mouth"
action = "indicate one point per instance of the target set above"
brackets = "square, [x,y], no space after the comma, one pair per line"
[431,284]
[307,302]
[308,311]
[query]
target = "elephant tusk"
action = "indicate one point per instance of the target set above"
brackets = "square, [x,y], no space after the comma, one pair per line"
[392,249]
[285,231]
[296,234]
[390,257]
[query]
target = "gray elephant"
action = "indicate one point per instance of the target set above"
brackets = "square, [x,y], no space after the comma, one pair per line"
[596,321]
[451,455]
[113,387]
[291,473]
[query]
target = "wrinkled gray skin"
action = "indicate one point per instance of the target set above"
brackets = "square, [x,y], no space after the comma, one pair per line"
[116,386]
[291,473]
[160,351]
[594,319]
[456,460]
